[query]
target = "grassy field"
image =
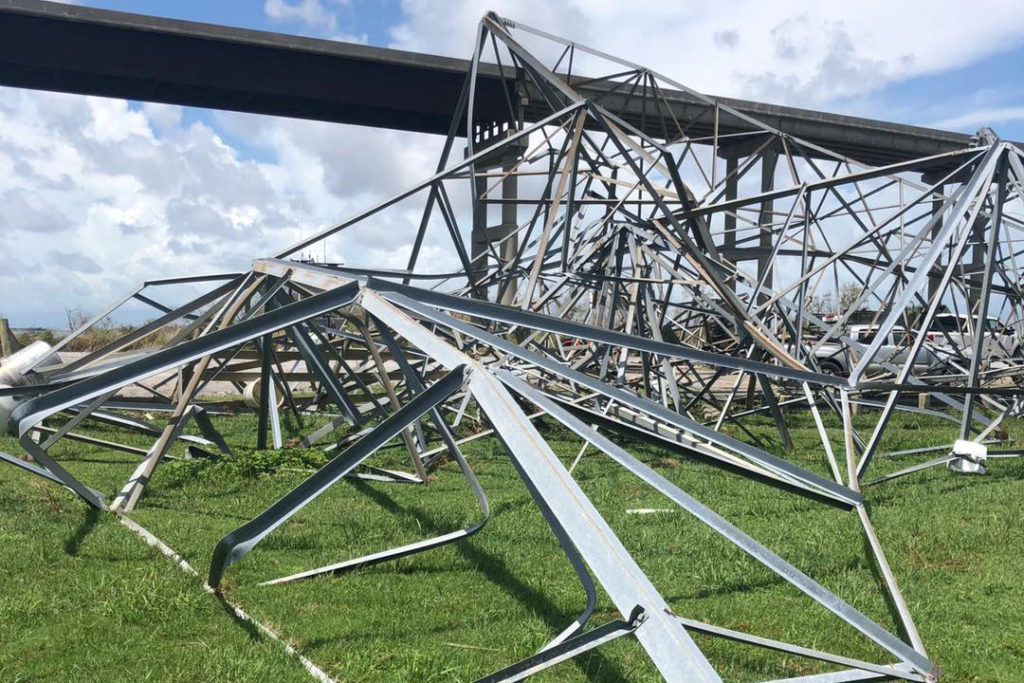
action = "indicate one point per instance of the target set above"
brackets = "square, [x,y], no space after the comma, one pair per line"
[83,597]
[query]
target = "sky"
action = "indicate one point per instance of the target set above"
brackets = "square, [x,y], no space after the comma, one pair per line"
[98,195]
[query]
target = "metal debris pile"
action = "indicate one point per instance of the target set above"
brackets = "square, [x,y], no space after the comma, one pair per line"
[646,276]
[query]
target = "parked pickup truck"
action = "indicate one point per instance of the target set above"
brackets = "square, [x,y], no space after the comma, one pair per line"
[838,359]
[952,330]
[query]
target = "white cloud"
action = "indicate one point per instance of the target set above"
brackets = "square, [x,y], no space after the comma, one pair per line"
[360,38]
[75,262]
[314,13]
[97,196]
[319,16]
[93,202]
[27,210]
[793,51]
[163,117]
[982,117]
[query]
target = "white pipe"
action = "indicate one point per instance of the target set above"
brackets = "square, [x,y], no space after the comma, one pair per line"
[14,372]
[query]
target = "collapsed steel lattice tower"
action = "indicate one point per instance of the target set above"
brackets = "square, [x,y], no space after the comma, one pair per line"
[623,277]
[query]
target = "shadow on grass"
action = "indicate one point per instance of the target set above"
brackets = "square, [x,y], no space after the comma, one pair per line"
[940,481]
[101,461]
[497,572]
[73,545]
[887,597]
[250,628]
[154,504]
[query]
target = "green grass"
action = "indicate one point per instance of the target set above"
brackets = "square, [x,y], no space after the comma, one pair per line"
[83,596]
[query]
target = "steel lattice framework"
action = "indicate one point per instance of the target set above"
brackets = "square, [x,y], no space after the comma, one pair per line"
[621,283]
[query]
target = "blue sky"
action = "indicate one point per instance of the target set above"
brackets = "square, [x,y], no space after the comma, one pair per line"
[992,86]
[370,17]
[97,195]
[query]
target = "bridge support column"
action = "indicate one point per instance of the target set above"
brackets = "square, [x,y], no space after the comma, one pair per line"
[766,218]
[976,278]
[769,159]
[495,247]
[731,188]
[933,280]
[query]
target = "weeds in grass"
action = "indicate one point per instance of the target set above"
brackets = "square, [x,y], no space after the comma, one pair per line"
[247,464]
